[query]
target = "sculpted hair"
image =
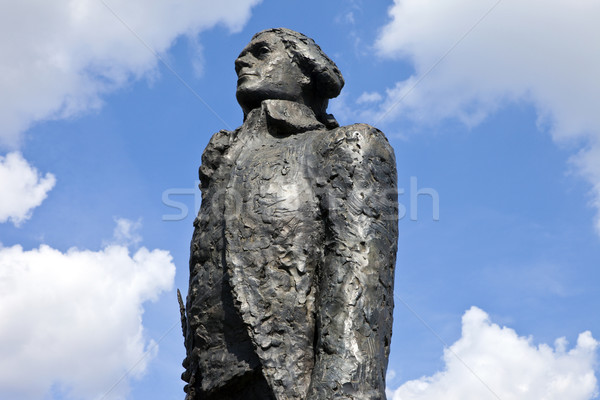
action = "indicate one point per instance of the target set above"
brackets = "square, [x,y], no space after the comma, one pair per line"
[326,76]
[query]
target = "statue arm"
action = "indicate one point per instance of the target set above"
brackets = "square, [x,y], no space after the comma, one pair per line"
[204,233]
[358,196]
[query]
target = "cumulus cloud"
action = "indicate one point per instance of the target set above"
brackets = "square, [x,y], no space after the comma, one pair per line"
[23,188]
[72,321]
[60,57]
[493,362]
[472,57]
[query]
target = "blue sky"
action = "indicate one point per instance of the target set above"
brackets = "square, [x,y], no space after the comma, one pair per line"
[108,105]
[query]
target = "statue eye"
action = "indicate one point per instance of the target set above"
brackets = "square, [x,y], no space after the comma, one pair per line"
[263,51]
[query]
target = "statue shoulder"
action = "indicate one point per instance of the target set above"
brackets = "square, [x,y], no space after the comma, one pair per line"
[220,141]
[359,139]
[354,153]
[213,153]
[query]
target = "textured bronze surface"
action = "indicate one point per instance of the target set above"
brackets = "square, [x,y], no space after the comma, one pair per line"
[293,253]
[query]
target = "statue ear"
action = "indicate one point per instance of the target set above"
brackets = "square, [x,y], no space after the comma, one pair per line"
[306,80]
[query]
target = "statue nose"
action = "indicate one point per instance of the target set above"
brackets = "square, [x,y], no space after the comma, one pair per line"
[240,63]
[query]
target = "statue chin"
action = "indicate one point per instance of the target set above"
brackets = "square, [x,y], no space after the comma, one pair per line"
[249,99]
[252,91]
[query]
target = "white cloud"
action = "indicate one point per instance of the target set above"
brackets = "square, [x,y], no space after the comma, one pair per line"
[60,57]
[543,52]
[369,97]
[127,232]
[493,362]
[22,188]
[72,322]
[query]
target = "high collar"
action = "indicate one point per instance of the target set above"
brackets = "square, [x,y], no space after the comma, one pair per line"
[284,117]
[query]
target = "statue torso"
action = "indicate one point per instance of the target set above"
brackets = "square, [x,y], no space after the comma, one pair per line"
[294,216]
[257,244]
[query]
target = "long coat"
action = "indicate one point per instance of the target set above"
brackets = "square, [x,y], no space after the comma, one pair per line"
[292,261]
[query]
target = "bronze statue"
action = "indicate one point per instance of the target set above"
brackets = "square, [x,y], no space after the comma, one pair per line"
[293,253]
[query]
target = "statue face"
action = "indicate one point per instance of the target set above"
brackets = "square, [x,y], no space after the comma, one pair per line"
[265,70]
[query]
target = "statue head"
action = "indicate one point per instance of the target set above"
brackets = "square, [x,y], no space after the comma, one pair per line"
[287,65]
